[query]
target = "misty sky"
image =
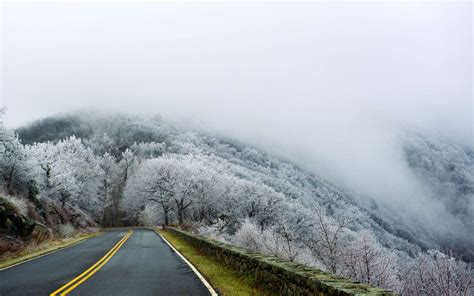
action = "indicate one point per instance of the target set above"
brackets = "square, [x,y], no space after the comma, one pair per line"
[328,85]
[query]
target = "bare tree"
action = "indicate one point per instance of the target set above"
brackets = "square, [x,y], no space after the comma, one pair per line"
[324,240]
[436,273]
[365,260]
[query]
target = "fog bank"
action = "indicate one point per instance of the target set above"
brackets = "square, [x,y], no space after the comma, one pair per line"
[328,85]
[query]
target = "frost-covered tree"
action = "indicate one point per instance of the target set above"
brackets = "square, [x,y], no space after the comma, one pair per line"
[148,150]
[325,239]
[238,193]
[176,178]
[249,236]
[448,171]
[247,199]
[125,167]
[363,259]
[108,189]
[436,273]
[67,172]
[5,134]
[277,240]
[13,167]
[168,180]
[145,186]
[291,225]
[43,158]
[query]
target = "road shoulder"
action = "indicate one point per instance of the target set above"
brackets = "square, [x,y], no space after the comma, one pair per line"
[224,280]
[199,275]
[49,248]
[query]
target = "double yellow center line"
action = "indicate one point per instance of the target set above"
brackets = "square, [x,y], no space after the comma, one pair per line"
[93,269]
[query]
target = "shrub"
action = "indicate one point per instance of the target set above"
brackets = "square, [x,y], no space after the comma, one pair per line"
[66,230]
[40,234]
[249,237]
[20,205]
[10,244]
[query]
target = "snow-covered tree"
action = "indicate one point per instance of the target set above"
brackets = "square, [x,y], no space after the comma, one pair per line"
[242,195]
[67,172]
[108,189]
[363,259]
[325,239]
[13,167]
[148,150]
[5,134]
[436,273]
[146,185]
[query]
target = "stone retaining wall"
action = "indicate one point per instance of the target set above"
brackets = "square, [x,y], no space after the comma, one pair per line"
[277,275]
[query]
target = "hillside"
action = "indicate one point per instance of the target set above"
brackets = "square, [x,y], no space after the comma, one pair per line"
[122,169]
[447,167]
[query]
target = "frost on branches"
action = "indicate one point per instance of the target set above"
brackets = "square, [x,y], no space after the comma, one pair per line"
[129,170]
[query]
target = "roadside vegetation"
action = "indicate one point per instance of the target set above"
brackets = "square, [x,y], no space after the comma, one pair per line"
[225,280]
[28,231]
[74,172]
[32,250]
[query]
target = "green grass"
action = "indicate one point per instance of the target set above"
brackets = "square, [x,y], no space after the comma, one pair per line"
[227,281]
[46,247]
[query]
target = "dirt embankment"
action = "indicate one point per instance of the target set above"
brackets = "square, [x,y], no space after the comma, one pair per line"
[31,222]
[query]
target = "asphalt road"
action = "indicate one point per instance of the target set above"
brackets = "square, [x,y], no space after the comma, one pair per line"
[143,265]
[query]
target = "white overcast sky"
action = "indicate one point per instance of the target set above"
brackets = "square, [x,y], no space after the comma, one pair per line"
[325,82]
[399,60]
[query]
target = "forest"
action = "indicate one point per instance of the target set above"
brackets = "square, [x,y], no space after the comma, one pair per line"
[82,170]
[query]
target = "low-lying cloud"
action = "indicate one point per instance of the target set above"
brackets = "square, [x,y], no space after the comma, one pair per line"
[328,85]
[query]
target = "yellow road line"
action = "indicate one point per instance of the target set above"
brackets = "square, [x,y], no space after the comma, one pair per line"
[95,270]
[94,267]
[91,270]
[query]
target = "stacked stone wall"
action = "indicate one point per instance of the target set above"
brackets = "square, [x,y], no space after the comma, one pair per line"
[279,276]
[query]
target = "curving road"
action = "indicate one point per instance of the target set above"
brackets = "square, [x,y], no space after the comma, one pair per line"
[117,263]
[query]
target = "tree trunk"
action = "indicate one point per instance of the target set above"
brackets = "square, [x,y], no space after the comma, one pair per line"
[116,211]
[180,216]
[48,176]
[10,180]
[180,208]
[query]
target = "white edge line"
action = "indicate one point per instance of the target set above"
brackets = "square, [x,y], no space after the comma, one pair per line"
[45,254]
[203,280]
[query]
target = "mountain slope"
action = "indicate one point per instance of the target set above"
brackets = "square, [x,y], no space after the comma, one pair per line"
[447,166]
